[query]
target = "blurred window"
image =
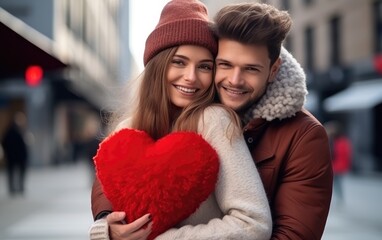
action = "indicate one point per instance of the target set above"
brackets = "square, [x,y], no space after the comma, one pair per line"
[309,48]
[335,40]
[378,26]
[85,36]
[288,43]
[308,2]
[67,14]
[285,4]
[76,13]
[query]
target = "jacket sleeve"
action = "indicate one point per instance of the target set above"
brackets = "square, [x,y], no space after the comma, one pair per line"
[99,203]
[302,201]
[239,192]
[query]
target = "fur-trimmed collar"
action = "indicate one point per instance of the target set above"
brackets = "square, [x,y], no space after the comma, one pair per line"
[285,96]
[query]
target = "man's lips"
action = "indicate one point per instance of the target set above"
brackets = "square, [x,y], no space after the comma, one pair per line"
[235,91]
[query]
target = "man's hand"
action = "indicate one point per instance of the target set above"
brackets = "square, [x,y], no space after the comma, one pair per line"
[118,230]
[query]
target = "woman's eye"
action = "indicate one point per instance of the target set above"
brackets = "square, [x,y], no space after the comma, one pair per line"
[206,67]
[177,62]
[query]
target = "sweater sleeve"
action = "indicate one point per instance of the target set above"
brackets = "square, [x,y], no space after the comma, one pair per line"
[239,191]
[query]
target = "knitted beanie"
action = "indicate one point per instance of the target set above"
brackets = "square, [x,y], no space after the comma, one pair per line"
[181,22]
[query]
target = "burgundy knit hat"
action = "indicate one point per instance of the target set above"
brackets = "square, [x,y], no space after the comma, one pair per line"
[181,22]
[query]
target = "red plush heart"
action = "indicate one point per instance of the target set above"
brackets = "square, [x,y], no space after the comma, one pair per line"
[168,178]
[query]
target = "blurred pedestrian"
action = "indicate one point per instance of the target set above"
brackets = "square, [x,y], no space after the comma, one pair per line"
[16,154]
[341,151]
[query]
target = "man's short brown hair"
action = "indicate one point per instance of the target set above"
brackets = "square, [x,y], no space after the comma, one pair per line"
[254,23]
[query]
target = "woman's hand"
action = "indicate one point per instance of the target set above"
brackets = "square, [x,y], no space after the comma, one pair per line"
[118,230]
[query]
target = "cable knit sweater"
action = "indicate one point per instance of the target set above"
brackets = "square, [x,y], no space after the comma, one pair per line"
[238,209]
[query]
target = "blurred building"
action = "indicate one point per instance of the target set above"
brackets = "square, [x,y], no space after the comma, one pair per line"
[79,52]
[339,44]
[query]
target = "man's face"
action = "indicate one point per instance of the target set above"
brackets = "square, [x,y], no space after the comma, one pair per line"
[242,73]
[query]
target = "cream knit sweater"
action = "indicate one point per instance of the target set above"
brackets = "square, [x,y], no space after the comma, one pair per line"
[238,209]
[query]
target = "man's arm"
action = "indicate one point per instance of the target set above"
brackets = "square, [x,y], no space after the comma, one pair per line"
[302,202]
[101,206]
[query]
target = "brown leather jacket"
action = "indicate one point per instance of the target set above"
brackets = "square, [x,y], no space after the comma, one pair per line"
[293,159]
[99,201]
[291,150]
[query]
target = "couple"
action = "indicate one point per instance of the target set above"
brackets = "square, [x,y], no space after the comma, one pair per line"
[265,86]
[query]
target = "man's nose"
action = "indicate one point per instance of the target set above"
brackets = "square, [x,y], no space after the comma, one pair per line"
[235,78]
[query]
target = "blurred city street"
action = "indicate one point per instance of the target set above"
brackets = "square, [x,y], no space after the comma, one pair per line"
[56,206]
[360,216]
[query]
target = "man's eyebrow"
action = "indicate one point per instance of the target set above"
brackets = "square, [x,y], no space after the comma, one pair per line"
[245,65]
[222,60]
[254,65]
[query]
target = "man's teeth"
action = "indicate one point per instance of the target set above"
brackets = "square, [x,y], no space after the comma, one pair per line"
[187,90]
[235,92]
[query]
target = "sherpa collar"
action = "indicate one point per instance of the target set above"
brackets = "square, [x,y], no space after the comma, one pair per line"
[285,96]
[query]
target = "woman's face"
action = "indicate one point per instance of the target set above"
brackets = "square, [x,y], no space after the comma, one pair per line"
[190,71]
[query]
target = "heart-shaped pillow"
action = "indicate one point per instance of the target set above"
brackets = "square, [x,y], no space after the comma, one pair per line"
[168,178]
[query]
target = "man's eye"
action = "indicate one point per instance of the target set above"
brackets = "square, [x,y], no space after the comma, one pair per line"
[224,65]
[252,69]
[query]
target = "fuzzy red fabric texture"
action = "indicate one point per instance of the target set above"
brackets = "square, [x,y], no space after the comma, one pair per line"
[168,178]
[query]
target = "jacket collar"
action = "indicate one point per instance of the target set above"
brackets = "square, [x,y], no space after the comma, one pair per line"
[285,96]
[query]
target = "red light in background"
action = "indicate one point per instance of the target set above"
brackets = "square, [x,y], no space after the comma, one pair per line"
[378,63]
[33,75]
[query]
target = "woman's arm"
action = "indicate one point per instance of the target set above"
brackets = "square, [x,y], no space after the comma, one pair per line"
[239,191]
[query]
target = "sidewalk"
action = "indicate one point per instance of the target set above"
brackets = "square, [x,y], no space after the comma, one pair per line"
[56,205]
[360,216]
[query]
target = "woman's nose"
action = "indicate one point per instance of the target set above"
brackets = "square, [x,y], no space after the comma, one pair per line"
[190,74]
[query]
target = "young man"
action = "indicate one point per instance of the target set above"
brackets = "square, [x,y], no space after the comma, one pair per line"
[267,89]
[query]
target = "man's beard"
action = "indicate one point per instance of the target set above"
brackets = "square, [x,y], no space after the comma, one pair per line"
[241,111]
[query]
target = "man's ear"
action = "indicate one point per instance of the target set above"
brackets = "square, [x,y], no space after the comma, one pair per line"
[274,69]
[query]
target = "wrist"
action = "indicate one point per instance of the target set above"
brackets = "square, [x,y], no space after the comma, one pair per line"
[99,230]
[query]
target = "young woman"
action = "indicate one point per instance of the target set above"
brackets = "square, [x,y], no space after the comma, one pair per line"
[176,93]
